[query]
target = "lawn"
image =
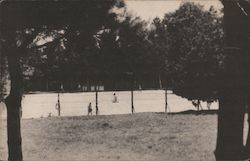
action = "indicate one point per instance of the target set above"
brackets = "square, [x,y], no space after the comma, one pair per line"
[144,136]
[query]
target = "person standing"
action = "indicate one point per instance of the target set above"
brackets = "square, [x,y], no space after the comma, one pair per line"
[89,109]
[114,98]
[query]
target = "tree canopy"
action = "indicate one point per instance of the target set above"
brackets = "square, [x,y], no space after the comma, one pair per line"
[192,39]
[184,50]
[58,37]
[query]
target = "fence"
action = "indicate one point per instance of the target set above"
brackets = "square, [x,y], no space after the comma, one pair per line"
[76,104]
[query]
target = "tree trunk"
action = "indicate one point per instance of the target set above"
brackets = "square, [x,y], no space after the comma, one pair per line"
[233,93]
[13,103]
[47,84]
[96,100]
[58,104]
[132,93]
[230,126]
[232,107]
[166,100]
[2,80]
[160,82]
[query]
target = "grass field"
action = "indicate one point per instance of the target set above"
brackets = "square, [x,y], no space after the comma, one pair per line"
[144,136]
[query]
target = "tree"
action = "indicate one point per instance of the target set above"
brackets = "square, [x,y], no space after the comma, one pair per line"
[22,22]
[203,65]
[123,50]
[233,92]
[192,41]
[133,44]
[158,47]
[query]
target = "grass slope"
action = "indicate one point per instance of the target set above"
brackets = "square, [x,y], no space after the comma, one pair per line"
[145,136]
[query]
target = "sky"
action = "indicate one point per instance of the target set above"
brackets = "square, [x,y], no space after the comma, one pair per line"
[149,9]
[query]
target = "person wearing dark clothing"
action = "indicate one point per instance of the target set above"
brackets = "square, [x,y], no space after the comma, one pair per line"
[89,109]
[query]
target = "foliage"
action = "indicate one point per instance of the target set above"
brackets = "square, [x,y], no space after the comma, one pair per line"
[184,49]
[113,52]
[192,40]
[132,41]
[61,47]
